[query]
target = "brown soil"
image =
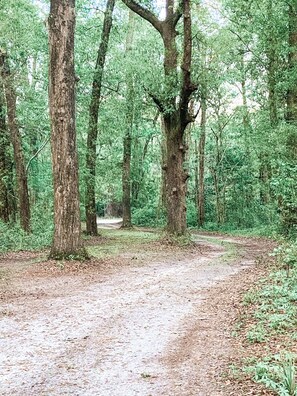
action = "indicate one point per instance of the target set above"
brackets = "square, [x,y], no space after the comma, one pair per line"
[150,320]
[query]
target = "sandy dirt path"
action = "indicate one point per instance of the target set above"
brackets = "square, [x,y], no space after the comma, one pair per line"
[120,335]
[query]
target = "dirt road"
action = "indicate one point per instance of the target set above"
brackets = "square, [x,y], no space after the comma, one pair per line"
[140,328]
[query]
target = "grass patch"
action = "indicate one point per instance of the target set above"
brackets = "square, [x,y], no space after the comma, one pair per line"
[121,241]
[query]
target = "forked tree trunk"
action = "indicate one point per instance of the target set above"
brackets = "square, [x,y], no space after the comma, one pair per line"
[175,106]
[22,183]
[90,198]
[126,173]
[67,243]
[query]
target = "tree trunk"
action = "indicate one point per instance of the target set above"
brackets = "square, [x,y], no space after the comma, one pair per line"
[126,182]
[201,197]
[264,177]
[126,174]
[67,243]
[272,69]
[4,161]
[291,115]
[10,95]
[90,200]
[174,106]
[176,178]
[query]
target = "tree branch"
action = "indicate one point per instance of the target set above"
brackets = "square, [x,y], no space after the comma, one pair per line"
[187,86]
[145,14]
[178,13]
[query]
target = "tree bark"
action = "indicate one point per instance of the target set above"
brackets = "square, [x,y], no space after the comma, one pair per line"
[175,108]
[67,243]
[5,174]
[272,70]
[126,175]
[91,217]
[291,115]
[201,197]
[10,95]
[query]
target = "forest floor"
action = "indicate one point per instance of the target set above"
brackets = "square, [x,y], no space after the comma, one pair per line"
[141,318]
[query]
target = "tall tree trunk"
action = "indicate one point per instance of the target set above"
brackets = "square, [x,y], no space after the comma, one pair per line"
[126,174]
[201,197]
[175,108]
[33,138]
[67,243]
[90,199]
[126,182]
[272,69]
[4,159]
[162,196]
[10,95]
[291,115]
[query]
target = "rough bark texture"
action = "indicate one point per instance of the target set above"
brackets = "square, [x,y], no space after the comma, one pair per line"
[10,95]
[291,115]
[67,242]
[175,108]
[176,178]
[91,217]
[126,175]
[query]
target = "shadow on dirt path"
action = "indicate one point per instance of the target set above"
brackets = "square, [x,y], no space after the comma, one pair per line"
[129,330]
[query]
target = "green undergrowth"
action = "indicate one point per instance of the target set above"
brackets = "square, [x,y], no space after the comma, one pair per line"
[276,372]
[268,231]
[13,238]
[271,322]
[119,241]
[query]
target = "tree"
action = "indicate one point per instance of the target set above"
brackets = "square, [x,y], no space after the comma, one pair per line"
[291,115]
[173,104]
[67,241]
[91,217]
[129,118]
[201,167]
[22,183]
[5,162]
